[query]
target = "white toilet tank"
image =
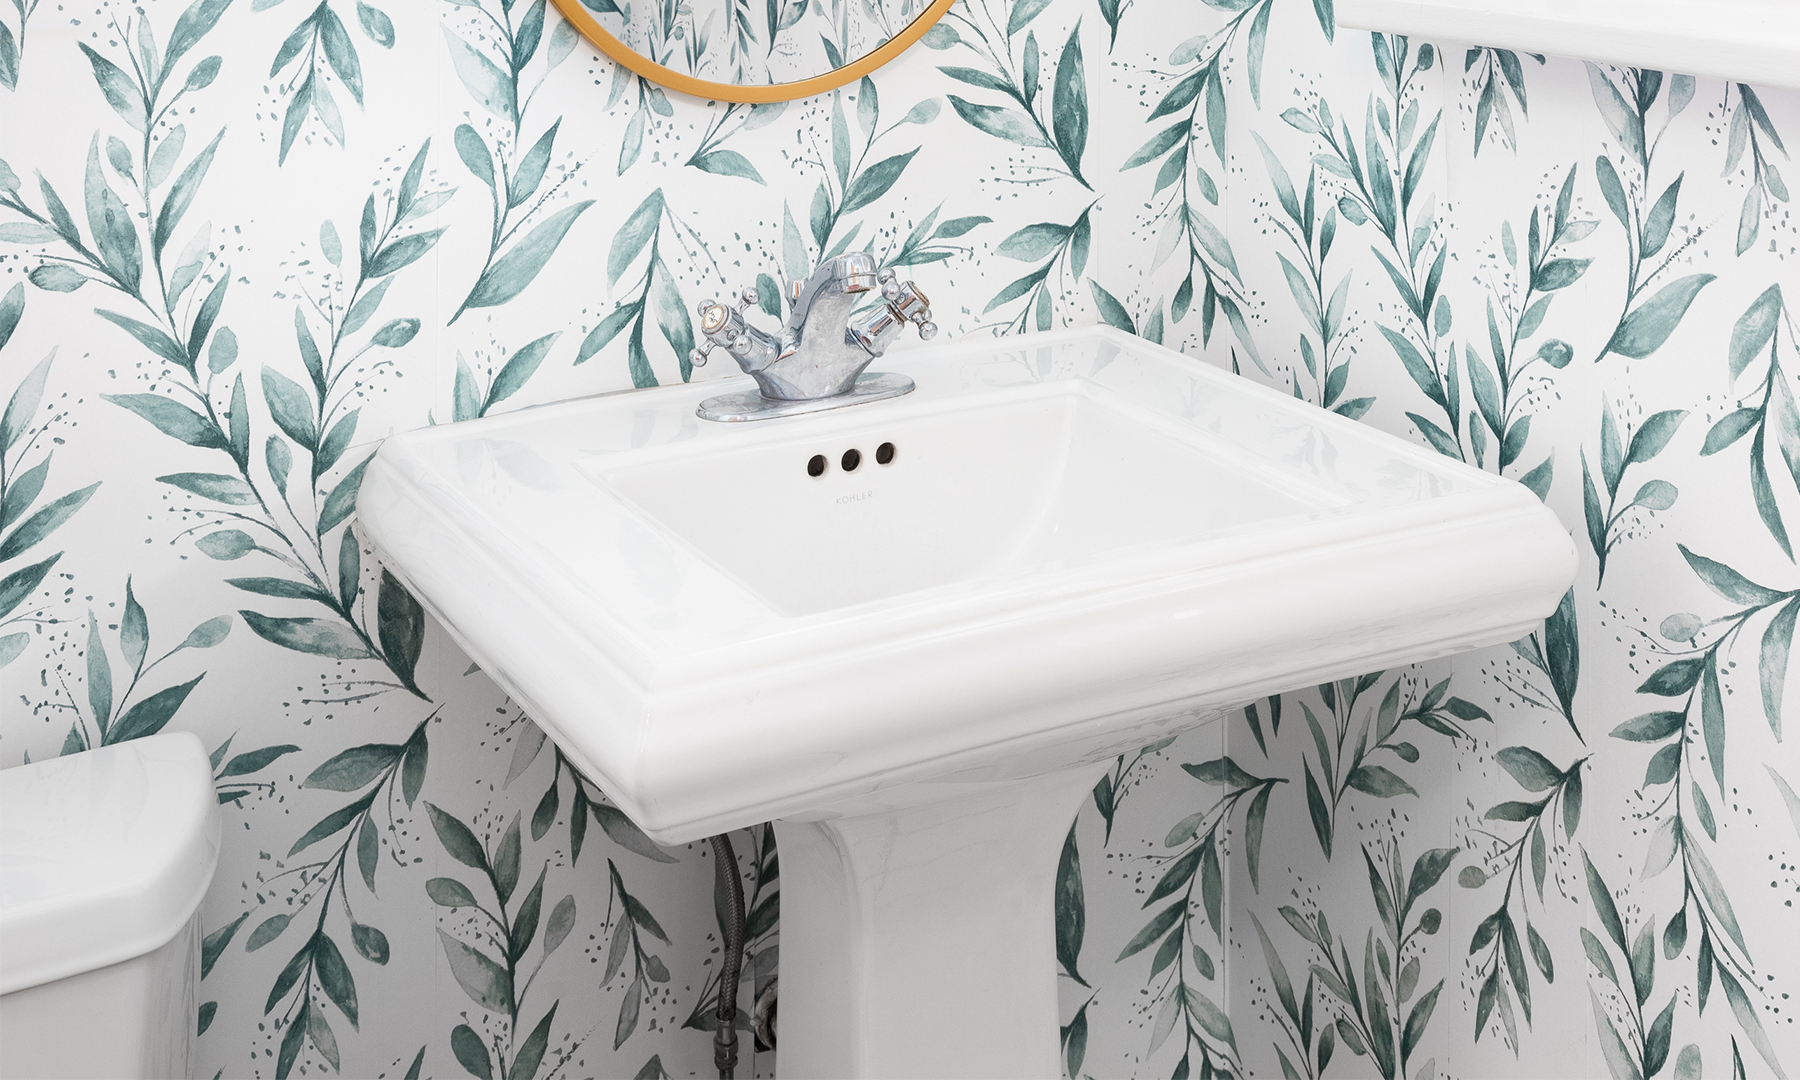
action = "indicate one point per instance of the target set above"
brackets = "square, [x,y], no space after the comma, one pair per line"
[104,859]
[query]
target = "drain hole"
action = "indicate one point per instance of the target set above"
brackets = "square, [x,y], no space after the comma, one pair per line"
[852,458]
[816,466]
[884,453]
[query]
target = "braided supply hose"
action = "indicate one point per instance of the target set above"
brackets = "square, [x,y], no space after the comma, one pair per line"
[725,1034]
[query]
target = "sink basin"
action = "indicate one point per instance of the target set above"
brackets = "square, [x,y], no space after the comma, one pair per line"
[996,485]
[1059,547]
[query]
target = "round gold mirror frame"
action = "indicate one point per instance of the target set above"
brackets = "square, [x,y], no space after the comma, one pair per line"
[584,21]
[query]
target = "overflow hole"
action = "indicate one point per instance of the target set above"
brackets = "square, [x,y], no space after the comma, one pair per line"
[884,453]
[852,458]
[816,466]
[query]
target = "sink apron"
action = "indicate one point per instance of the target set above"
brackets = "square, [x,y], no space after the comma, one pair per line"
[918,940]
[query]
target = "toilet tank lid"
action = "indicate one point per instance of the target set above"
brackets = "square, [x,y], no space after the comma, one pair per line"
[104,855]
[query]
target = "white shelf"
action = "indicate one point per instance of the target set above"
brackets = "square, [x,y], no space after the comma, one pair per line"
[1753,41]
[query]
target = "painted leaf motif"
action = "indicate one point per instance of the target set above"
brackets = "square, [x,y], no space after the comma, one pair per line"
[342,501]
[1316,809]
[672,318]
[1022,13]
[149,716]
[376,24]
[1418,1020]
[1422,373]
[457,839]
[291,409]
[628,1012]
[355,768]
[1644,330]
[1071,908]
[1254,820]
[1153,931]
[1011,125]
[99,671]
[1728,583]
[1034,242]
[1222,771]
[1650,727]
[1532,770]
[519,369]
[1209,1016]
[485,981]
[486,83]
[449,892]
[23,491]
[1772,662]
[150,337]
[1380,782]
[1754,329]
[506,862]
[1112,312]
[727,163]
[471,1052]
[1158,145]
[12,309]
[120,92]
[562,920]
[114,231]
[255,761]
[531,1052]
[334,977]
[181,195]
[512,272]
[1071,105]
[872,183]
[606,330]
[134,632]
[473,151]
[1216,245]
[402,627]
[1604,907]
[401,253]
[629,241]
[625,832]
[1618,1059]
[9,58]
[1284,986]
[36,528]
[321,637]
[1562,647]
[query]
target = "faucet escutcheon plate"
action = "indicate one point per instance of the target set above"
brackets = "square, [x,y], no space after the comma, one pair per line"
[745,405]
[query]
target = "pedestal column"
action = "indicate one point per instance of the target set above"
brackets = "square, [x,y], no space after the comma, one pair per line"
[920,941]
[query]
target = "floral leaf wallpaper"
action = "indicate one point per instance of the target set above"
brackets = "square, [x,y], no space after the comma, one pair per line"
[242,241]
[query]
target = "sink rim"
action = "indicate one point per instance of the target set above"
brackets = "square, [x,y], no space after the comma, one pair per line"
[1350,522]
[955,607]
[635,712]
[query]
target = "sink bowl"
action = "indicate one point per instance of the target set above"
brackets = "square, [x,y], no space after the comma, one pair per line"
[913,632]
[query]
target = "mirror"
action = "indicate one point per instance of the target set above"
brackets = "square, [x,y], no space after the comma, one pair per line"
[752,50]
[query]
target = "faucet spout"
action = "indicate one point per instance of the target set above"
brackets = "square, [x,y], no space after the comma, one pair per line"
[836,281]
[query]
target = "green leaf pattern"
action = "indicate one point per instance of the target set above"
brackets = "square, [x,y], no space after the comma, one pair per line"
[235,270]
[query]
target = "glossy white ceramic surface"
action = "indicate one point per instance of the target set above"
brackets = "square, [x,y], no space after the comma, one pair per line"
[1083,541]
[959,886]
[104,856]
[1754,41]
[995,486]
[132,1020]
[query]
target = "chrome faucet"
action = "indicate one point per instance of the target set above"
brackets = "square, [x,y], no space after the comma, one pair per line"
[820,354]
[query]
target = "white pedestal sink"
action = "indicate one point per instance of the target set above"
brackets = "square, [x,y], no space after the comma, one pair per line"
[1080,542]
